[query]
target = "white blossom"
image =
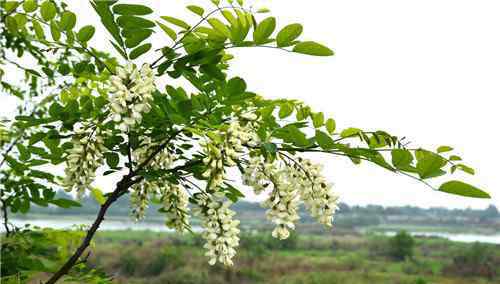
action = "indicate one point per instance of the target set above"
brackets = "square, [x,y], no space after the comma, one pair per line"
[132,90]
[283,201]
[221,231]
[175,202]
[143,190]
[291,182]
[84,157]
[226,150]
[316,192]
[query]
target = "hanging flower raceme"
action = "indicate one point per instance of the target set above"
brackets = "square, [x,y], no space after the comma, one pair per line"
[316,191]
[226,148]
[291,182]
[84,157]
[132,90]
[175,202]
[143,190]
[221,231]
[283,201]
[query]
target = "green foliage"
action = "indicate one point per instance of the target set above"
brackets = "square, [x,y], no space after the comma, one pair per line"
[402,246]
[288,34]
[29,252]
[476,260]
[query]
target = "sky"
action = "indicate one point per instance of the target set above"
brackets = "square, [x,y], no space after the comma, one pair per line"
[428,70]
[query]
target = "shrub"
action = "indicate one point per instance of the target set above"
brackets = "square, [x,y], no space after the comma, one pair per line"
[401,246]
[128,263]
[476,260]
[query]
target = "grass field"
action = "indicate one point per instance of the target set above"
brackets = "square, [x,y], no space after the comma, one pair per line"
[149,257]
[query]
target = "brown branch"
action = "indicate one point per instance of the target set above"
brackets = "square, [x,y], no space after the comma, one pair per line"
[121,188]
[5,219]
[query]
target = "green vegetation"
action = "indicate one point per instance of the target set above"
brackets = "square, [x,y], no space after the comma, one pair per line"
[148,257]
[401,246]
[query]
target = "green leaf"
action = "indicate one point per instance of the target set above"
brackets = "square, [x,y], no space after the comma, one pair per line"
[138,51]
[219,26]
[48,10]
[401,158]
[68,20]
[137,37]
[330,125]
[170,32]
[24,154]
[455,158]
[21,20]
[312,48]
[349,132]
[112,159]
[11,24]
[196,9]
[85,33]
[177,22]
[318,119]
[466,169]
[134,22]
[236,86]
[298,137]
[65,203]
[324,140]
[270,148]
[442,149]
[463,189]
[131,9]
[9,6]
[54,31]
[38,30]
[286,110]
[429,164]
[98,195]
[30,6]
[288,34]
[108,20]
[264,30]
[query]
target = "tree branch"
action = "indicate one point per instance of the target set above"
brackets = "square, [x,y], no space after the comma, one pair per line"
[121,188]
[5,219]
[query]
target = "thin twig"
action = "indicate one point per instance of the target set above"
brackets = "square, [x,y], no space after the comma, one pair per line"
[5,218]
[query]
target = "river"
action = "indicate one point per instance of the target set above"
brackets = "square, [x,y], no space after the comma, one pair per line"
[126,224]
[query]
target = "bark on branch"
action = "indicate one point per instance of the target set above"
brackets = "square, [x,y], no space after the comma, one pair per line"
[121,188]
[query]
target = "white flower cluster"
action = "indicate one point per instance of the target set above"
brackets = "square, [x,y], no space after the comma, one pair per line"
[316,192]
[84,157]
[220,229]
[141,191]
[284,199]
[175,204]
[291,183]
[132,95]
[227,150]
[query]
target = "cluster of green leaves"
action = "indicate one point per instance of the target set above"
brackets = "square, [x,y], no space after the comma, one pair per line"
[127,25]
[30,252]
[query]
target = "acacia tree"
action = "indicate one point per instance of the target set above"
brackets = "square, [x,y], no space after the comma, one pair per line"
[95,115]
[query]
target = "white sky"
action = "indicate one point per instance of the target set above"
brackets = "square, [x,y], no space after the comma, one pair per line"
[428,70]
